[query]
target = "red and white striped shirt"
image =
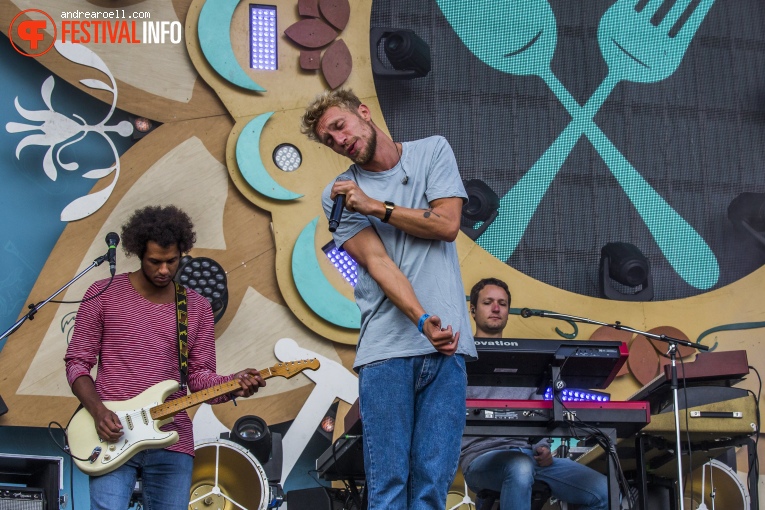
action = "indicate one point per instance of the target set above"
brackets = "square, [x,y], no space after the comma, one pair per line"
[135,343]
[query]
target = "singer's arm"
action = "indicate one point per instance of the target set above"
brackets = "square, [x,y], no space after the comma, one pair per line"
[368,251]
[441,221]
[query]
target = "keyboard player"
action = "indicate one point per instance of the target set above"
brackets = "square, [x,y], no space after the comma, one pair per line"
[511,465]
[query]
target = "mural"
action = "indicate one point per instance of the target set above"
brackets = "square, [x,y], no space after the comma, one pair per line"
[552,105]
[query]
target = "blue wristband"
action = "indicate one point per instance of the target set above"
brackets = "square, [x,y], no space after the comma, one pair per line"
[421,323]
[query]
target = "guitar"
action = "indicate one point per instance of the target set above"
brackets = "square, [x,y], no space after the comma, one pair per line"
[143,415]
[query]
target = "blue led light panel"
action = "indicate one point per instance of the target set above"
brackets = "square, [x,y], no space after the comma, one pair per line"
[263,55]
[342,262]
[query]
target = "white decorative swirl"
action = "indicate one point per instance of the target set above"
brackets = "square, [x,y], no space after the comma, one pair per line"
[60,131]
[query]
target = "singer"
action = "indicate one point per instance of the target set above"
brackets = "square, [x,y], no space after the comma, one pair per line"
[403,204]
[131,331]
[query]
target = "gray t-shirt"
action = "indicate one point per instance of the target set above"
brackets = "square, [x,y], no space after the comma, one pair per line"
[427,171]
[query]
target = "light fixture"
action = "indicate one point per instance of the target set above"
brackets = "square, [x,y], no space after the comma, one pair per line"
[406,55]
[208,279]
[287,157]
[263,54]
[342,262]
[747,213]
[480,209]
[576,395]
[142,126]
[625,273]
[252,433]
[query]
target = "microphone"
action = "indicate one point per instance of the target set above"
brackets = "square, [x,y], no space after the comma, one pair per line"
[337,208]
[112,240]
[528,312]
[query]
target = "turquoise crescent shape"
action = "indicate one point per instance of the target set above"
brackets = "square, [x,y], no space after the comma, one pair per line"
[251,166]
[214,29]
[317,292]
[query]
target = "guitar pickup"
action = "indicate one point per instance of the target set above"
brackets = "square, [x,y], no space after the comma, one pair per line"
[95,454]
[717,414]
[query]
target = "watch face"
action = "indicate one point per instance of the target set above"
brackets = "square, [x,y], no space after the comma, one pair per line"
[593,122]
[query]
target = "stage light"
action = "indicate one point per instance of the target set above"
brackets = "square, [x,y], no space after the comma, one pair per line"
[625,273]
[263,54]
[480,209]
[328,424]
[747,213]
[287,157]
[343,262]
[406,55]
[576,395]
[142,126]
[207,278]
[253,433]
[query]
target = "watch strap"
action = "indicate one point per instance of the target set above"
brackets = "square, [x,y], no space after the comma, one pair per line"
[389,206]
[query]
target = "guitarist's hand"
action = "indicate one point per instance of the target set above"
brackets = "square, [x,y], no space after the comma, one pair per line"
[108,425]
[250,380]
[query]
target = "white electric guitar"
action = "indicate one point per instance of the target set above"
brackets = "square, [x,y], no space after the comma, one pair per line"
[143,415]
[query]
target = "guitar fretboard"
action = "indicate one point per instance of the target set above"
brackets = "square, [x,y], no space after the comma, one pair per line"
[173,407]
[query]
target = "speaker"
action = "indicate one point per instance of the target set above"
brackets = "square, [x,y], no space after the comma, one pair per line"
[316,498]
[21,498]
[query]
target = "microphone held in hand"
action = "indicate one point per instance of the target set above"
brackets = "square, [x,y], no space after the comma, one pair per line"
[336,213]
[337,208]
[112,240]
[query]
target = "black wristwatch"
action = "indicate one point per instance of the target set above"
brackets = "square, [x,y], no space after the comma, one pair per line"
[388,209]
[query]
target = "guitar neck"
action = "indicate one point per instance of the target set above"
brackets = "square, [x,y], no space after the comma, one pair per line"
[173,407]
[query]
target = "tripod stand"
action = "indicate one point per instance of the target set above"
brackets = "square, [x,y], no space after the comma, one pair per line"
[671,352]
[34,308]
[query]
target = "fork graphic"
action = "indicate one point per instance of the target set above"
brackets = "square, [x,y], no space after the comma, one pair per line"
[635,50]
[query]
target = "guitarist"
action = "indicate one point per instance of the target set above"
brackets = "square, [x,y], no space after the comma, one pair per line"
[128,326]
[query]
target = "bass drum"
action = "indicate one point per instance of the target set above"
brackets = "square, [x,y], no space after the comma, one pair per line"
[227,476]
[730,493]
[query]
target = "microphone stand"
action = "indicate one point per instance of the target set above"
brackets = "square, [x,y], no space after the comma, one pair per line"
[34,308]
[672,352]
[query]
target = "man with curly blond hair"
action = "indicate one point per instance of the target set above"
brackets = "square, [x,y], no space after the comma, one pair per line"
[128,326]
[403,204]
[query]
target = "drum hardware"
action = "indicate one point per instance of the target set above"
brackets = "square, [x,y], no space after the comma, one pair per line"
[227,475]
[716,486]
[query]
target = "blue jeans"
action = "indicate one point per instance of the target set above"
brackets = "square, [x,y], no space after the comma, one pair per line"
[166,479]
[413,415]
[512,472]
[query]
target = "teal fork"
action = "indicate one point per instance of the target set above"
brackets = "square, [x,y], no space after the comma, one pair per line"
[528,29]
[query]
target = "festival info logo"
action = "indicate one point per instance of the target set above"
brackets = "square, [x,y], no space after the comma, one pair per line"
[32,31]
[112,26]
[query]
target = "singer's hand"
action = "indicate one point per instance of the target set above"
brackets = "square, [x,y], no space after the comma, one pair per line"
[443,339]
[356,200]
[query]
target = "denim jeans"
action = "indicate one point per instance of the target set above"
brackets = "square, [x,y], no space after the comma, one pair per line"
[166,480]
[413,415]
[511,472]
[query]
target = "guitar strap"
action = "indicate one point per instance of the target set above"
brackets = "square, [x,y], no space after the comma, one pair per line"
[182,317]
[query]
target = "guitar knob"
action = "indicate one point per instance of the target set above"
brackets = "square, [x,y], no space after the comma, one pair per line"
[112,447]
[107,457]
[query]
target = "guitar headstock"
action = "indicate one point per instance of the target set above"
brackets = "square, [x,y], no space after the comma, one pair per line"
[287,369]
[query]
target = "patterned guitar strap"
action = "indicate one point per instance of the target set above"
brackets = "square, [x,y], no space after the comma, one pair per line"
[183,329]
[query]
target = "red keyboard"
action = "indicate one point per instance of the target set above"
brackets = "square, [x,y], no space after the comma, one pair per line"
[537,416]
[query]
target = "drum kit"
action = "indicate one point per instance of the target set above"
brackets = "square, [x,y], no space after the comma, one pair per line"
[227,476]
